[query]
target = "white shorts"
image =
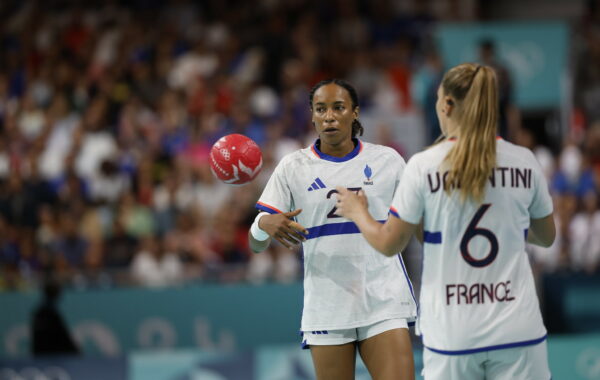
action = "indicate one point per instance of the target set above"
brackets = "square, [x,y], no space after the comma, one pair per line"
[337,337]
[518,363]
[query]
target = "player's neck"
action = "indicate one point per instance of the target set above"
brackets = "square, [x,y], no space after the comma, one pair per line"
[451,129]
[338,150]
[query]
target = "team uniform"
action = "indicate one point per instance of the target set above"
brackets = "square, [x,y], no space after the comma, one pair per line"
[347,284]
[479,311]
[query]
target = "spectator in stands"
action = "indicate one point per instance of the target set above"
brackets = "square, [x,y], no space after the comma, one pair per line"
[587,75]
[137,218]
[190,238]
[153,266]
[120,247]
[425,84]
[509,117]
[70,249]
[120,112]
[584,233]
[50,333]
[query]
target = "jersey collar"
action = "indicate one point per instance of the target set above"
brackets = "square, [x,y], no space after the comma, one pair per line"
[357,149]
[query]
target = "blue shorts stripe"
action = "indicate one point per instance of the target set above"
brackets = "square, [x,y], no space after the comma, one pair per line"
[489,348]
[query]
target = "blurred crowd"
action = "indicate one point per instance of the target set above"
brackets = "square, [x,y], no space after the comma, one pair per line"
[574,172]
[108,110]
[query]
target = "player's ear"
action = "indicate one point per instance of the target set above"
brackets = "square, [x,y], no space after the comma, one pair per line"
[355,112]
[448,106]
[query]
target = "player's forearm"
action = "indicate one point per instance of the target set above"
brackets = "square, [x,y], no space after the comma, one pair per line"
[532,239]
[375,234]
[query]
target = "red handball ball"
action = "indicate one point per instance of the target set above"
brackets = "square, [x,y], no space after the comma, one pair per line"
[235,159]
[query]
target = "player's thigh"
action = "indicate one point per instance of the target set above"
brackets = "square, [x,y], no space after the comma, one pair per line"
[386,350]
[333,352]
[334,361]
[519,363]
[453,367]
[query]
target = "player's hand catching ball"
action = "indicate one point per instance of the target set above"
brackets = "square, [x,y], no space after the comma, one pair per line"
[283,229]
[350,204]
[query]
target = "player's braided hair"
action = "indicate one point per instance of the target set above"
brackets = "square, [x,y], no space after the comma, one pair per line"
[357,128]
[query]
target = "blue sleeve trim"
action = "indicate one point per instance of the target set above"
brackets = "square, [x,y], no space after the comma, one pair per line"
[266,209]
[489,348]
[394,213]
[432,237]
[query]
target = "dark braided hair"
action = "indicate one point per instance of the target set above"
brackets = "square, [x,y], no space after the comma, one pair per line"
[357,128]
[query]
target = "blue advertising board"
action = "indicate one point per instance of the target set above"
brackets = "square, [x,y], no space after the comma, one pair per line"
[209,317]
[575,357]
[65,368]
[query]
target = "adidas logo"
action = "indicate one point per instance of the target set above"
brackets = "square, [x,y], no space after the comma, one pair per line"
[317,184]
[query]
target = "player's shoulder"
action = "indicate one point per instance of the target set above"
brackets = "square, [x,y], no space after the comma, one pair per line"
[382,151]
[516,153]
[431,156]
[295,158]
[288,164]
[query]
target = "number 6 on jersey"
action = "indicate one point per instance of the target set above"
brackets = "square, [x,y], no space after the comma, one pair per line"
[471,232]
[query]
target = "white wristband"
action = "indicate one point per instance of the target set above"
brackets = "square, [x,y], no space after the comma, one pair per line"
[255,230]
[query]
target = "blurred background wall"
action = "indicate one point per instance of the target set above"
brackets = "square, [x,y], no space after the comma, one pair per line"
[108,110]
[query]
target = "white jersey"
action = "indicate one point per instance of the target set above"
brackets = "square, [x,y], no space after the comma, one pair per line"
[347,283]
[477,290]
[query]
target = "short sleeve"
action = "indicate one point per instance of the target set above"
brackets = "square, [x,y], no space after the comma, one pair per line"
[541,203]
[401,168]
[408,202]
[276,196]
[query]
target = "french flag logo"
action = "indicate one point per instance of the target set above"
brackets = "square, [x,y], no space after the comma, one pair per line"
[368,173]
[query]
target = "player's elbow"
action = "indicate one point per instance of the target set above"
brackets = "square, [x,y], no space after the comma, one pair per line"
[547,240]
[389,252]
[385,249]
[544,231]
[391,241]
[392,246]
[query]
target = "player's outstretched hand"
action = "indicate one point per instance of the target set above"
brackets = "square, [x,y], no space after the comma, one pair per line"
[350,204]
[283,229]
